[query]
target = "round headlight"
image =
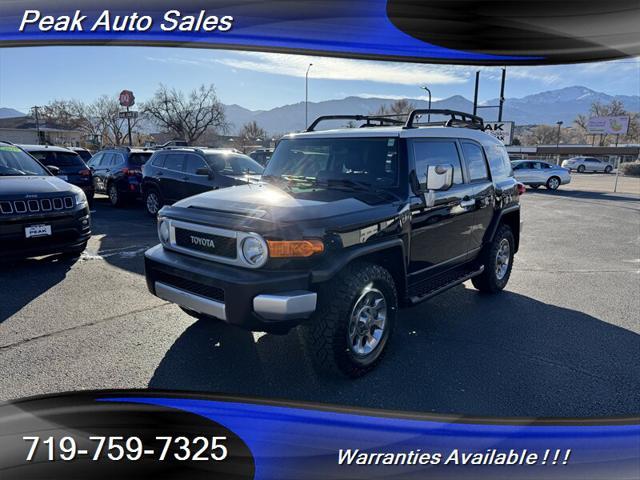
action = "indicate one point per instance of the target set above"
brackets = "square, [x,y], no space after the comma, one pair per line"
[163,231]
[254,251]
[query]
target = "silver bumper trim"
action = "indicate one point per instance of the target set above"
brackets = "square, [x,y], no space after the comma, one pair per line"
[284,306]
[191,301]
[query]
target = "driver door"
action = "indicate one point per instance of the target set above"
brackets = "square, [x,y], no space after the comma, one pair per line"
[440,234]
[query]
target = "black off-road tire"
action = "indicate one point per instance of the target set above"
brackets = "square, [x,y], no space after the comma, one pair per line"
[488,281]
[326,334]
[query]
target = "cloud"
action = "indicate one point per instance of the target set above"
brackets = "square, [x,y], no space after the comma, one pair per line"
[327,68]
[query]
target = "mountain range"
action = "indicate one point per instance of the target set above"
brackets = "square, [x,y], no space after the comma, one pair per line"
[540,108]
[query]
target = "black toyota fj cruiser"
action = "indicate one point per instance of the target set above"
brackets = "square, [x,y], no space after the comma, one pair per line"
[345,227]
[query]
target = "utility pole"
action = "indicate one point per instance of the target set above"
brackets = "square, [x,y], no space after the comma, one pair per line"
[35,114]
[306,97]
[504,77]
[424,87]
[475,94]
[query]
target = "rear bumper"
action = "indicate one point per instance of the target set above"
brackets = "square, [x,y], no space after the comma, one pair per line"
[271,301]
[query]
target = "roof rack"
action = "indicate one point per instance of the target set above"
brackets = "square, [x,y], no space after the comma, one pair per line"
[456,119]
[381,119]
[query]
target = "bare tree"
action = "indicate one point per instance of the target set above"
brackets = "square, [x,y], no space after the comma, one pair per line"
[402,107]
[187,116]
[103,117]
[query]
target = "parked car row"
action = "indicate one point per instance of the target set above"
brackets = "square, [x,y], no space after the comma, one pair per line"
[536,173]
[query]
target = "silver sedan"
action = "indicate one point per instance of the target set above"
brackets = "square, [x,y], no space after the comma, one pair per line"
[587,164]
[536,173]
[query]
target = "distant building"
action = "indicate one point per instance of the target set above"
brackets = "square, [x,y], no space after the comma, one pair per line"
[24,130]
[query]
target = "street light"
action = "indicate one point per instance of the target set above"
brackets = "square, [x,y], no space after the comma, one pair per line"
[306,96]
[559,123]
[424,87]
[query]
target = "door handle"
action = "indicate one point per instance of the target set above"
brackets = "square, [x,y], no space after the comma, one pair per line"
[467,202]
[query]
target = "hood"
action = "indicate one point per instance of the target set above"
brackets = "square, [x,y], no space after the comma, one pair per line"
[21,186]
[269,202]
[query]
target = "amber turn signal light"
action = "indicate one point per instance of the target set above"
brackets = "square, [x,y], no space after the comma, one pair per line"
[294,248]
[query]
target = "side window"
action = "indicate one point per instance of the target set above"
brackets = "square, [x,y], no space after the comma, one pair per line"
[117,160]
[475,161]
[537,166]
[158,160]
[106,159]
[174,161]
[545,165]
[193,163]
[95,160]
[436,152]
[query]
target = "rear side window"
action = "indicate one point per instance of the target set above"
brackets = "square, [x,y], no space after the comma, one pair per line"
[46,158]
[174,161]
[499,162]
[475,161]
[436,152]
[158,160]
[193,163]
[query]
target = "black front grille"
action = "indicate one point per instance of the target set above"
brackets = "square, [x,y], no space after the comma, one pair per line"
[208,291]
[206,243]
[20,207]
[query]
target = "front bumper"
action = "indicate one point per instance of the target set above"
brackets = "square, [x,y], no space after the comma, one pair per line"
[259,300]
[69,231]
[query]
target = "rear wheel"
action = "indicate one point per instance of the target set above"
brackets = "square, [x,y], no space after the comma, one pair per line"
[115,197]
[497,259]
[152,201]
[354,321]
[553,183]
[581,169]
[608,169]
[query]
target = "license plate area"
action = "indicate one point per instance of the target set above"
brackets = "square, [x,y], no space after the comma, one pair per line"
[33,231]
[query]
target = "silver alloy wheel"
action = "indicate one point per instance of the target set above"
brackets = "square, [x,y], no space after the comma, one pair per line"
[367,322]
[502,259]
[554,183]
[113,194]
[152,203]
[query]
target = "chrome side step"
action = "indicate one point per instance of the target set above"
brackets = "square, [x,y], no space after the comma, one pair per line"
[447,286]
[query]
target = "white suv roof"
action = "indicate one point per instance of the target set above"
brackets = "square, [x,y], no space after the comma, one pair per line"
[400,132]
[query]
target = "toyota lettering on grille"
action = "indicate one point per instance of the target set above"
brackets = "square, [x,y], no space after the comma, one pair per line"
[202,242]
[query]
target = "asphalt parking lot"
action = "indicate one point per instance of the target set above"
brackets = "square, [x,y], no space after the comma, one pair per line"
[562,340]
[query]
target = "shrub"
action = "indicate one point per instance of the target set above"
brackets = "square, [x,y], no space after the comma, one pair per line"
[630,168]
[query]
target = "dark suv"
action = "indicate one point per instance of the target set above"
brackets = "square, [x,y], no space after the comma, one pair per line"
[71,167]
[40,214]
[176,173]
[117,172]
[346,227]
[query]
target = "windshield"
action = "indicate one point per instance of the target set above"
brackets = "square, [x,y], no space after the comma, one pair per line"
[14,162]
[364,161]
[139,159]
[66,159]
[233,164]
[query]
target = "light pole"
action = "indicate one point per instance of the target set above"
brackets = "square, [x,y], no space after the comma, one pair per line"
[424,87]
[306,96]
[559,123]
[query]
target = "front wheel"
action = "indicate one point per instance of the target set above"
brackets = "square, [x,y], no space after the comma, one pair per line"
[553,183]
[354,321]
[152,202]
[497,259]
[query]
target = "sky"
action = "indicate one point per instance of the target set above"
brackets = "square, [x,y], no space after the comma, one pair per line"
[261,81]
